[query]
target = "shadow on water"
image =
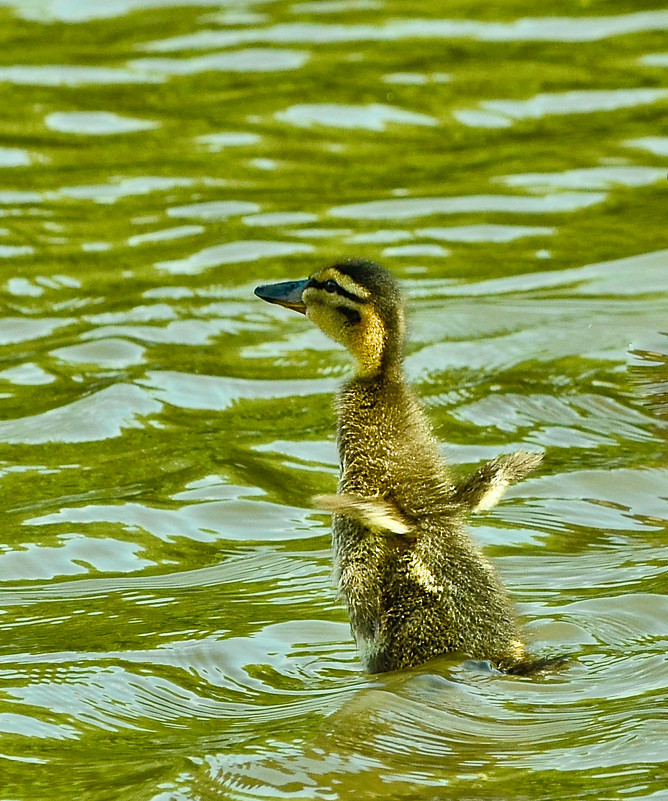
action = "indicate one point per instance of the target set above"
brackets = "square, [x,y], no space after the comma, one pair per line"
[649,368]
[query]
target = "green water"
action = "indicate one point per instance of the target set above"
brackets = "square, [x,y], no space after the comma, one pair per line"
[168,626]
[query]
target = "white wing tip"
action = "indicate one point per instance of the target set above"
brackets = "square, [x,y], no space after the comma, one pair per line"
[376,513]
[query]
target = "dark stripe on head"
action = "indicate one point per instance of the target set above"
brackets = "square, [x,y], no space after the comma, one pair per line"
[351,315]
[335,288]
[371,276]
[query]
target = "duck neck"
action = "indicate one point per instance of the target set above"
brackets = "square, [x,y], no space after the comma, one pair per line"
[381,360]
[370,389]
[379,372]
[372,416]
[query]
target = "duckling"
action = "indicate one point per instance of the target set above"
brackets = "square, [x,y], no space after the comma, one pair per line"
[415,583]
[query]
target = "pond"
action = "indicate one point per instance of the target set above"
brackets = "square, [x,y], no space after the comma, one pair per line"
[169,626]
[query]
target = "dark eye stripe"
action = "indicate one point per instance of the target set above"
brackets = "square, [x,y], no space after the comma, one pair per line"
[331,286]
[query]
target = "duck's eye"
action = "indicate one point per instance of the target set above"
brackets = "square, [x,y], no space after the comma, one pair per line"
[330,286]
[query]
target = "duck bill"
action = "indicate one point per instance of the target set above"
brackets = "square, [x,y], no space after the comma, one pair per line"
[287,293]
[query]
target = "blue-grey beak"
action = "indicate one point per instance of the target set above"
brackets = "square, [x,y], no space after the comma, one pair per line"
[287,293]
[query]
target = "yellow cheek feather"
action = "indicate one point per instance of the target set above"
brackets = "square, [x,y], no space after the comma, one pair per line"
[323,316]
[365,340]
[368,343]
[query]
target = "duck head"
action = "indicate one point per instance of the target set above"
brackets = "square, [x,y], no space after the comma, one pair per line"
[355,302]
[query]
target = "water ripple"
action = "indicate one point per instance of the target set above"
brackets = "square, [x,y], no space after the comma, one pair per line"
[103,415]
[218,392]
[21,329]
[537,29]
[231,253]
[170,628]
[242,520]
[71,75]
[589,179]
[95,123]
[250,60]
[408,208]
[373,117]
[501,113]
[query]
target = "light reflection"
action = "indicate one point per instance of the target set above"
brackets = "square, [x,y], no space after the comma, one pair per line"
[217,141]
[527,29]
[408,208]
[484,233]
[231,253]
[590,178]
[658,145]
[251,60]
[71,75]
[102,415]
[373,117]
[501,113]
[214,209]
[96,123]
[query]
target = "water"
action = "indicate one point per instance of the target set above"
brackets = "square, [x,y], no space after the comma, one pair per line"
[169,628]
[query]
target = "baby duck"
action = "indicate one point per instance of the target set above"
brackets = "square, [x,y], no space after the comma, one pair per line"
[415,583]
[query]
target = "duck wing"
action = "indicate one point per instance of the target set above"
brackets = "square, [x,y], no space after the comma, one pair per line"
[485,488]
[377,514]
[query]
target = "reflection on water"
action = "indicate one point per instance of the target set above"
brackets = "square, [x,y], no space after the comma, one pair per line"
[409,208]
[374,117]
[501,113]
[95,123]
[170,627]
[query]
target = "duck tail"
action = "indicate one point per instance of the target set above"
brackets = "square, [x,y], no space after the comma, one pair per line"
[536,667]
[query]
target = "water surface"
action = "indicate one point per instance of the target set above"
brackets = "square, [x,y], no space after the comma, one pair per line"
[169,626]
